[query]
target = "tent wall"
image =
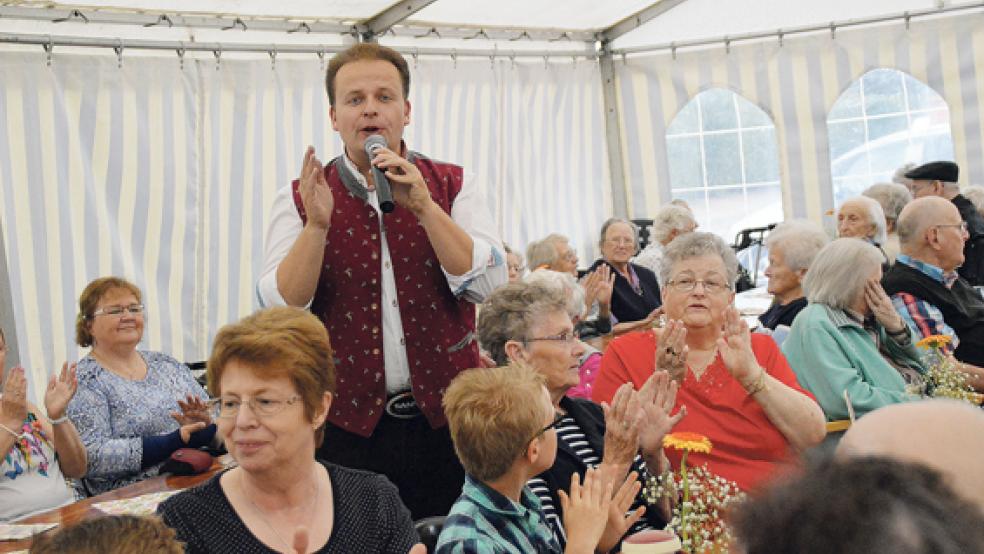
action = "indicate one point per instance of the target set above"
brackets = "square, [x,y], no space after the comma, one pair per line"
[164,175]
[796,83]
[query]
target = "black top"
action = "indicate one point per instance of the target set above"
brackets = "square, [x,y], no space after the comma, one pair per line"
[369,518]
[630,304]
[590,419]
[973,267]
[782,314]
[962,307]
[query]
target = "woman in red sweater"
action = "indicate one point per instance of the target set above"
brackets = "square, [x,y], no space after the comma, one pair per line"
[737,387]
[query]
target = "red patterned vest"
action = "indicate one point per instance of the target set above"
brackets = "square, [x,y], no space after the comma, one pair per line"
[438,328]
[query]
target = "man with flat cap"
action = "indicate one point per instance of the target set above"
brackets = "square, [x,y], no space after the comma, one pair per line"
[940,179]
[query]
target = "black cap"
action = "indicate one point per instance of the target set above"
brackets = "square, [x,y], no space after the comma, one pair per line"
[935,171]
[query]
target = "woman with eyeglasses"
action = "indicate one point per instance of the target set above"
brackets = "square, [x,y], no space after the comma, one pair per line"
[529,323]
[635,296]
[133,408]
[737,388]
[273,377]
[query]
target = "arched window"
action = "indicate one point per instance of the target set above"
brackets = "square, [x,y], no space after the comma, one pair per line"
[724,162]
[882,121]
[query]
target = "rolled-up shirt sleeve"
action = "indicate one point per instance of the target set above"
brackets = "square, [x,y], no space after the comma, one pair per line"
[285,226]
[488,270]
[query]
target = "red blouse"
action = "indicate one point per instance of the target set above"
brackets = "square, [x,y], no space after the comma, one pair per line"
[747,448]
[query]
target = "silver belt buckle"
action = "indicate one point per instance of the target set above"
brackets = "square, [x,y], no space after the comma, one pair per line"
[402,406]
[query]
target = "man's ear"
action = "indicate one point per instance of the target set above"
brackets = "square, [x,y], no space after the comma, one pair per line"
[532,452]
[515,351]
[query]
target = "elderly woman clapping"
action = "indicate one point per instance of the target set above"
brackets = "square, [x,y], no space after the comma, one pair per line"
[635,297]
[273,376]
[738,389]
[530,323]
[792,247]
[850,338]
[133,408]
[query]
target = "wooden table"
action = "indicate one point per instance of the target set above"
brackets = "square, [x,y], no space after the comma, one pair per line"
[83,509]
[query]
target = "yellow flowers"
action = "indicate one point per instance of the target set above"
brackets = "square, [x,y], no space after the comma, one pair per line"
[691,442]
[934,341]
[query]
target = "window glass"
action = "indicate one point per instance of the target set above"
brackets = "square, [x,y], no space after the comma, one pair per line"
[724,162]
[884,120]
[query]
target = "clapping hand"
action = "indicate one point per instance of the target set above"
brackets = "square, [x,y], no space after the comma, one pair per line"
[61,389]
[657,397]
[13,405]
[881,306]
[735,346]
[621,429]
[620,519]
[672,350]
[193,410]
[316,196]
[586,510]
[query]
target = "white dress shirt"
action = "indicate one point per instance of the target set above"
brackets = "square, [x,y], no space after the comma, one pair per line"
[488,270]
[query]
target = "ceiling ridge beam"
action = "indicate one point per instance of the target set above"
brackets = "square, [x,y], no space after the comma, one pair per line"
[382,21]
[638,19]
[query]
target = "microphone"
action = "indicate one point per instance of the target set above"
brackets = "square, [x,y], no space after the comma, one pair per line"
[383,191]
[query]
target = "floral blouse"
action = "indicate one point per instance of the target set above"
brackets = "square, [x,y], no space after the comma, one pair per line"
[30,478]
[112,415]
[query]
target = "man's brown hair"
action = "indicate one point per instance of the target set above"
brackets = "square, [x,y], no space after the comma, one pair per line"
[362,52]
[493,414]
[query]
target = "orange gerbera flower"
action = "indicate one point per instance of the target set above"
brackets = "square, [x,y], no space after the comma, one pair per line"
[934,341]
[691,442]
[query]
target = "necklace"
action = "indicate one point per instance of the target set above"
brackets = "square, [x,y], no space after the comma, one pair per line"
[310,510]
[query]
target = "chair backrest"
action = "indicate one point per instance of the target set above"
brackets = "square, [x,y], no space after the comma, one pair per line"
[429,529]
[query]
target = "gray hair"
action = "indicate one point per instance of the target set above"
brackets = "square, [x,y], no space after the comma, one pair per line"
[899,175]
[840,271]
[892,197]
[975,193]
[875,216]
[671,218]
[564,282]
[510,311]
[799,240]
[692,245]
[543,252]
[612,221]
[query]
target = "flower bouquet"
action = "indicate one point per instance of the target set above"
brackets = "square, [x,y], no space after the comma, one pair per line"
[700,497]
[944,379]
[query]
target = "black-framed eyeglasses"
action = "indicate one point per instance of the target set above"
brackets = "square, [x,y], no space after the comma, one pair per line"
[558,419]
[118,310]
[567,337]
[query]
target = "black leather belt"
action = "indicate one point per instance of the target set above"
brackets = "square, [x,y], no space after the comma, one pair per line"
[402,405]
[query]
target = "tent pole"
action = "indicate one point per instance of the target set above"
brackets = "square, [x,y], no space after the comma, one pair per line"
[613,134]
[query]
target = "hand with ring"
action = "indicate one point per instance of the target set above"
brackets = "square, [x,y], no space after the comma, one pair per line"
[672,350]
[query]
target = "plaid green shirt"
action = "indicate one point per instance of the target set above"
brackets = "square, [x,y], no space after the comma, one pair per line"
[483,521]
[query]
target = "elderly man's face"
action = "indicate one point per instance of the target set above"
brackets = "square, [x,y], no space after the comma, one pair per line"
[921,188]
[949,235]
[853,221]
[566,261]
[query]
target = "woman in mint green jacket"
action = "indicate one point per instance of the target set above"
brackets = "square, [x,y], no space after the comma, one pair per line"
[850,338]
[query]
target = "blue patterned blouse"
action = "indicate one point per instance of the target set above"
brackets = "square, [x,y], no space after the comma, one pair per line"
[113,413]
